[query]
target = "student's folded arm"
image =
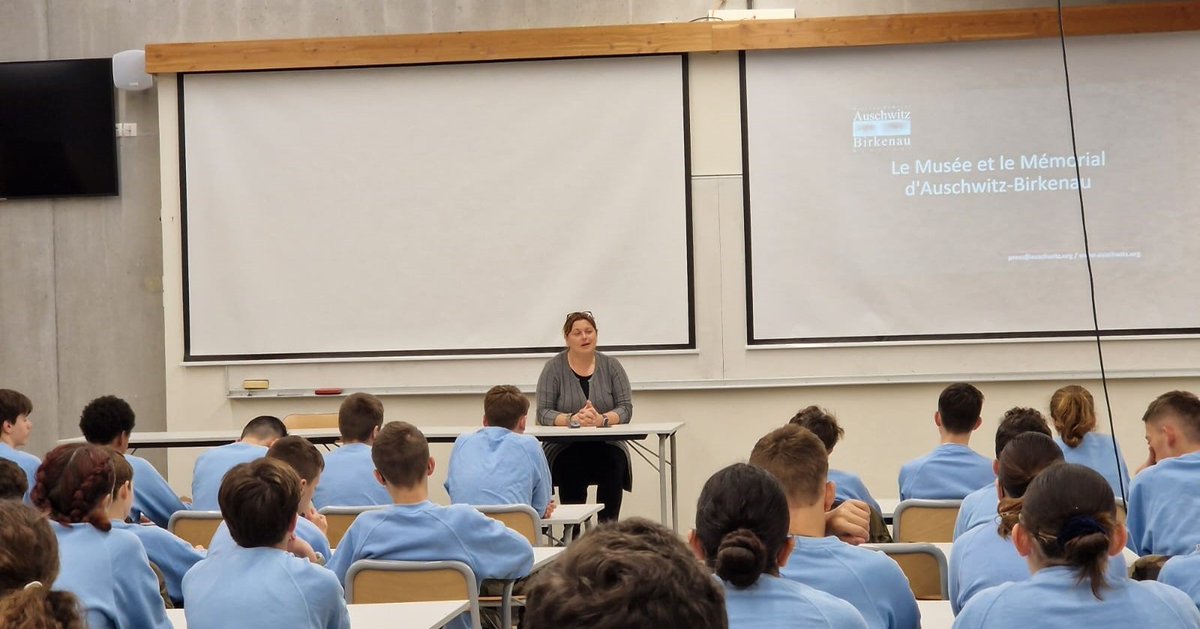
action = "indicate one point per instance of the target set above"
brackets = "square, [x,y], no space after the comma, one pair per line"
[499,552]
[135,591]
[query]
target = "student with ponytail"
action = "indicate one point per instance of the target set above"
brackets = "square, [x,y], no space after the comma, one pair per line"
[1074,413]
[106,568]
[1067,531]
[28,567]
[741,532]
[984,556]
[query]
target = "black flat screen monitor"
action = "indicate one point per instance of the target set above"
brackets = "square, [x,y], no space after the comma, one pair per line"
[57,121]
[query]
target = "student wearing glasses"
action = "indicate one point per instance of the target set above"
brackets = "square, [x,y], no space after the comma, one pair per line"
[583,387]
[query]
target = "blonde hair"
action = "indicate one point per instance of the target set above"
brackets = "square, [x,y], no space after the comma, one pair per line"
[1074,413]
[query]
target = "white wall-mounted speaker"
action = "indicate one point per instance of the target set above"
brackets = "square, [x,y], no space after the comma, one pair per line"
[129,71]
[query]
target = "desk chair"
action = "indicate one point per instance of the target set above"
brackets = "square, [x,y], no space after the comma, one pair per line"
[376,581]
[195,527]
[297,421]
[520,518]
[925,520]
[924,565]
[339,520]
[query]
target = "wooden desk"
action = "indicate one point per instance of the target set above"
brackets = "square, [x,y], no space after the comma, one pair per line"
[410,615]
[632,433]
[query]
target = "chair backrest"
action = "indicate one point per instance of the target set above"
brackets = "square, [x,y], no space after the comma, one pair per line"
[195,527]
[311,420]
[376,581]
[925,521]
[339,519]
[923,564]
[520,518]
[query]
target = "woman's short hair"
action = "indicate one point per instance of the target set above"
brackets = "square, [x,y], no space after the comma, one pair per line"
[574,317]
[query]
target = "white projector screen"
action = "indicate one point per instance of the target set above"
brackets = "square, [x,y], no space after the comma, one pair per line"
[426,210]
[928,192]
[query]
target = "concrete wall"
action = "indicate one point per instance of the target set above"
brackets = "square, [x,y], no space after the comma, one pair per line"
[81,280]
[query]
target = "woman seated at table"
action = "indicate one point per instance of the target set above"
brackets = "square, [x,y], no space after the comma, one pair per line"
[582,387]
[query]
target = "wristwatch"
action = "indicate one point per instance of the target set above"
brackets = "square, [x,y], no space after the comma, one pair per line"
[606,420]
[572,422]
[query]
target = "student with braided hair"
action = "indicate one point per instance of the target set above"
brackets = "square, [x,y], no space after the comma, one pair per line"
[106,568]
[1067,532]
[1074,413]
[26,577]
[741,532]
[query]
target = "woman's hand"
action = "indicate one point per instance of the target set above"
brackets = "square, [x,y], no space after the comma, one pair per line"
[588,416]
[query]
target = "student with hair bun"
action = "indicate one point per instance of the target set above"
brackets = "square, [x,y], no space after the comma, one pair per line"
[741,532]
[28,567]
[1074,413]
[1067,531]
[106,568]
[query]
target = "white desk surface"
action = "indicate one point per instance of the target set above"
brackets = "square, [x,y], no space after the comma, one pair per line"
[572,514]
[410,615]
[543,555]
[139,439]
[936,614]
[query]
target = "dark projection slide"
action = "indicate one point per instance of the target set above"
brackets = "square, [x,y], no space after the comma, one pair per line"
[929,192]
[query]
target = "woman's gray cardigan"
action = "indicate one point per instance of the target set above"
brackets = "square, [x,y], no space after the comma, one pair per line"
[559,391]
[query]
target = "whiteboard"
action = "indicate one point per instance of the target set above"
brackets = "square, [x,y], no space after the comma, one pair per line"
[435,210]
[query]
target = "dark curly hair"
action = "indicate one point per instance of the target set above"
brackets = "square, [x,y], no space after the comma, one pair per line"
[106,418]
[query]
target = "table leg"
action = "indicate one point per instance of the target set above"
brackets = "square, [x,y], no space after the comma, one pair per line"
[674,488]
[662,478]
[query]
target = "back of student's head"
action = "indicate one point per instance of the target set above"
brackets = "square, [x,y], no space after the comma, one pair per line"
[742,523]
[122,471]
[13,404]
[797,459]
[358,416]
[72,483]
[28,568]
[264,428]
[504,406]
[1025,456]
[259,500]
[959,406]
[1071,516]
[13,483]
[1184,406]
[1019,420]
[821,423]
[401,454]
[631,574]
[106,418]
[299,453]
[1074,413]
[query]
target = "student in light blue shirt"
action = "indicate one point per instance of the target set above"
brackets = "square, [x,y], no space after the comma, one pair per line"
[258,435]
[498,465]
[825,426]
[1183,573]
[870,581]
[742,534]
[984,556]
[108,421]
[15,428]
[979,507]
[1074,414]
[257,582]
[1067,531]
[1164,505]
[106,568]
[173,556]
[953,470]
[415,529]
[349,476]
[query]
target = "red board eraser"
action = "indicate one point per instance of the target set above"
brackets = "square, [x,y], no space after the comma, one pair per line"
[329,391]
